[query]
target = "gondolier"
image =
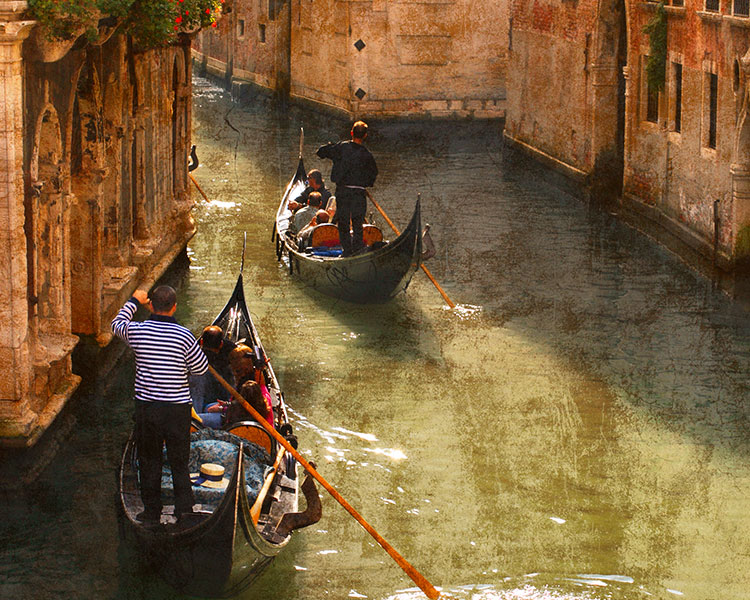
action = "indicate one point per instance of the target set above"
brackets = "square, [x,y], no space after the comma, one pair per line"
[353,170]
[165,354]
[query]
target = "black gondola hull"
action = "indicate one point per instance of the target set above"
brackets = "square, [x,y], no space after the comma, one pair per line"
[374,276]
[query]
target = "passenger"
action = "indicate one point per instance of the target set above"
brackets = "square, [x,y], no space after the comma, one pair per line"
[205,389]
[315,183]
[254,396]
[304,215]
[303,239]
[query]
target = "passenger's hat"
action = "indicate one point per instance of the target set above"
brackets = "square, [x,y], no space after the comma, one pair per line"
[211,475]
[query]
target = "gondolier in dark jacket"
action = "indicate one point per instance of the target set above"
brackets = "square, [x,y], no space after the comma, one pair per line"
[353,170]
[165,354]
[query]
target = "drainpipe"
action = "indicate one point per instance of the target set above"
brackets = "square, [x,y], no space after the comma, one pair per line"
[716,230]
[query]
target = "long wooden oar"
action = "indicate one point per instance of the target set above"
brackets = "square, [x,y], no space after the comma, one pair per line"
[199,187]
[425,269]
[415,575]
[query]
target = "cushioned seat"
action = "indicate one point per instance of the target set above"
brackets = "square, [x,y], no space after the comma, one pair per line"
[371,234]
[325,234]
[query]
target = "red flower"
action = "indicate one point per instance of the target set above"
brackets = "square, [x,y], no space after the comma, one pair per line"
[187,12]
[208,11]
[178,20]
[213,24]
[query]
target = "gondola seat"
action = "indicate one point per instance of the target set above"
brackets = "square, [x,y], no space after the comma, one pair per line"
[325,234]
[371,234]
[253,432]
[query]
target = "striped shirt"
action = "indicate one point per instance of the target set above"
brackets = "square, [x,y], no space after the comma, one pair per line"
[165,353]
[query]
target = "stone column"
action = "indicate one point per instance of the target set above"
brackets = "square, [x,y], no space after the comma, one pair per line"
[15,362]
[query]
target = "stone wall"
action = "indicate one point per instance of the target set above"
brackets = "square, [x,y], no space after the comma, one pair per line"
[93,199]
[692,179]
[578,100]
[439,58]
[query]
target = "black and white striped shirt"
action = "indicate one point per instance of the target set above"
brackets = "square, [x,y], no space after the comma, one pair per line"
[165,353]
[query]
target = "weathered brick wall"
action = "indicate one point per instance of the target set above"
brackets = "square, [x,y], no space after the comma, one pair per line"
[676,172]
[549,99]
[436,57]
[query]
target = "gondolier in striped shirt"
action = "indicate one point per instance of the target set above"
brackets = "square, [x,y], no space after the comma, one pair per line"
[353,170]
[165,354]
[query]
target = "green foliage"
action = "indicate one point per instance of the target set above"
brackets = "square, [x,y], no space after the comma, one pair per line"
[152,23]
[656,65]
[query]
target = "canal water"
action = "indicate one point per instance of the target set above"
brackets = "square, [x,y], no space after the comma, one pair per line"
[577,428]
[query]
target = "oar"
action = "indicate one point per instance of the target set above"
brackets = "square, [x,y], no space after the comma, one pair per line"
[427,272]
[415,575]
[199,187]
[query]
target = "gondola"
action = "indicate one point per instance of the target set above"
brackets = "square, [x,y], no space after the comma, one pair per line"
[237,530]
[373,276]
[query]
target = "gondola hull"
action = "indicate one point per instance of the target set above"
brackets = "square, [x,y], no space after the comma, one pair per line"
[374,276]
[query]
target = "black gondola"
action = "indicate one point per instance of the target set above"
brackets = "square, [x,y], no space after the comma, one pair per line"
[374,276]
[236,531]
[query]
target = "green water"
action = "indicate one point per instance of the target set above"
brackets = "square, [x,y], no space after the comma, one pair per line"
[577,428]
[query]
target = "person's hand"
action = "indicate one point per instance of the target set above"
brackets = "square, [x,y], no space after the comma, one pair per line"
[141,296]
[218,407]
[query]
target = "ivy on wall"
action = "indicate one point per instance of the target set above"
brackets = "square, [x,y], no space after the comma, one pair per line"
[656,64]
[152,23]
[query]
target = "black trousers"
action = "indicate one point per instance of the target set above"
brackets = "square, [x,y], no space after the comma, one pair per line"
[351,206]
[159,423]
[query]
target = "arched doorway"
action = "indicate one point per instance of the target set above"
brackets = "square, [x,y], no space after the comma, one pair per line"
[87,174]
[46,230]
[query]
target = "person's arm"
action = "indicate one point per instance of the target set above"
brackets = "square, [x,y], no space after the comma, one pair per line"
[329,150]
[125,315]
[196,360]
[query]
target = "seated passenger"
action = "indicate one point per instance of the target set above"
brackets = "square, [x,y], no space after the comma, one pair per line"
[304,215]
[205,389]
[254,396]
[315,183]
[303,239]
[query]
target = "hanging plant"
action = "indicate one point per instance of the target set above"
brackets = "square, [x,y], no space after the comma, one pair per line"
[656,64]
[152,23]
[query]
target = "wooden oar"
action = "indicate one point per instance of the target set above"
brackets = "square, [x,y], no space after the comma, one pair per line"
[427,272]
[415,575]
[199,187]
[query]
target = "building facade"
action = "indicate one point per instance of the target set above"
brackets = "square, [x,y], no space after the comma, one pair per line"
[579,98]
[93,199]
[369,58]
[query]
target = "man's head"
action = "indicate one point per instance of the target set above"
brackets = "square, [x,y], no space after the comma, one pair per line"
[163,300]
[315,199]
[211,339]
[321,217]
[359,131]
[315,179]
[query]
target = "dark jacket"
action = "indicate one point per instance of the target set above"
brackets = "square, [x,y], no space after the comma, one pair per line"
[353,165]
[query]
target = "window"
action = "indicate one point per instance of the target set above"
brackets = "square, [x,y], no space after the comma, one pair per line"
[741,8]
[241,28]
[712,5]
[678,2]
[713,93]
[677,97]
[652,104]
[262,33]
